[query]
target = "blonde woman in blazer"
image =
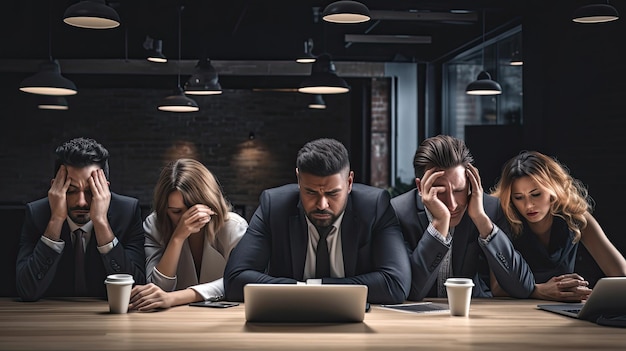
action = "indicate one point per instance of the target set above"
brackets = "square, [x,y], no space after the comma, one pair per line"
[189,237]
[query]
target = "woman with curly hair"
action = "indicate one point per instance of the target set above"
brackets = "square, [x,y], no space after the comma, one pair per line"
[550,214]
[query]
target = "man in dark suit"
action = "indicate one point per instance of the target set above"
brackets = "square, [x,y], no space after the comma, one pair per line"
[452,229]
[81,232]
[363,243]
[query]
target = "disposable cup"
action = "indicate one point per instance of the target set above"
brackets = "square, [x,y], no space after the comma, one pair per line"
[118,292]
[459,295]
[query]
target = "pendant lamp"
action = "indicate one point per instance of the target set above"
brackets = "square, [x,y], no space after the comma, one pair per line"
[47,102]
[178,102]
[48,80]
[92,14]
[346,12]
[595,13]
[204,80]
[483,85]
[323,78]
[318,102]
[307,56]
[154,49]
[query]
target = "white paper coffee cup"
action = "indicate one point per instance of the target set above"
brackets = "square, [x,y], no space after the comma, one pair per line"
[459,295]
[118,292]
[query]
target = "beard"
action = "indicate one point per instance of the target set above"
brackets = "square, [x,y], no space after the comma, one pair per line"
[321,223]
[79,218]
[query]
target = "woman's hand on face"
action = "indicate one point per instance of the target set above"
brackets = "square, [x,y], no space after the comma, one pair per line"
[196,217]
[148,297]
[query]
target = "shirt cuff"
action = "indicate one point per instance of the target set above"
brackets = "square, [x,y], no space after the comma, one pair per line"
[106,248]
[54,245]
[486,240]
[313,282]
[435,233]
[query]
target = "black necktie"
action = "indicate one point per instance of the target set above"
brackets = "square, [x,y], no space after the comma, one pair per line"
[322,260]
[79,263]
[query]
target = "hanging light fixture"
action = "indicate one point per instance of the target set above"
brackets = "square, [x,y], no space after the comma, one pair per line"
[48,80]
[317,103]
[204,80]
[346,12]
[47,102]
[323,78]
[595,13]
[483,85]
[307,56]
[93,14]
[178,102]
[516,59]
[154,49]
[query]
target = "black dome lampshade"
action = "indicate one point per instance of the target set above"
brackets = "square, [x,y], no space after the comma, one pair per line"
[323,78]
[48,81]
[154,50]
[346,12]
[595,13]
[307,56]
[204,80]
[317,103]
[483,85]
[49,102]
[92,14]
[178,102]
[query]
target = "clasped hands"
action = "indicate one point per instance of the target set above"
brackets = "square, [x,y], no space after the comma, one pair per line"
[567,287]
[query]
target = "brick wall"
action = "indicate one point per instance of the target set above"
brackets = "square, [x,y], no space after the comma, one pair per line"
[137,135]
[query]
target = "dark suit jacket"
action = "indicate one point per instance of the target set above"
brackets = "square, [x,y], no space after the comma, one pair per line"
[273,249]
[470,258]
[42,272]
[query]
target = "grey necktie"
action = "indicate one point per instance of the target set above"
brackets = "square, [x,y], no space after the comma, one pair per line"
[322,259]
[79,263]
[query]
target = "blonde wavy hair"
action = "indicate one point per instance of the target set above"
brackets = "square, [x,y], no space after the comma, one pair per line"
[198,186]
[569,198]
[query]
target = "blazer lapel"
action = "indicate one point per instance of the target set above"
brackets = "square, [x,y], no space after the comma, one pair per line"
[298,238]
[350,229]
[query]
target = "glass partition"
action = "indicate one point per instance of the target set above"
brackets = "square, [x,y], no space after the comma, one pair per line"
[501,57]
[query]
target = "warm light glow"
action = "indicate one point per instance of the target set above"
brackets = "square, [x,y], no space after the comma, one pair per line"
[483,92]
[346,18]
[203,92]
[306,60]
[157,59]
[91,22]
[52,107]
[595,19]
[323,90]
[174,108]
[49,91]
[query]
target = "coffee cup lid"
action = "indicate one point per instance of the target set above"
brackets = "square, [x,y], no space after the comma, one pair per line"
[459,281]
[119,279]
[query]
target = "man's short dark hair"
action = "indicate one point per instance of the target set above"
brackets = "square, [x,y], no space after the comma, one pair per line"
[323,157]
[80,153]
[441,151]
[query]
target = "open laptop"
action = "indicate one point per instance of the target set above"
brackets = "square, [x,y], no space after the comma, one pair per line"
[288,303]
[607,299]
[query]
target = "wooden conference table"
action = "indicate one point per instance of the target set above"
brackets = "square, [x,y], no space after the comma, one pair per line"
[493,324]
